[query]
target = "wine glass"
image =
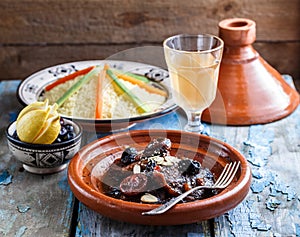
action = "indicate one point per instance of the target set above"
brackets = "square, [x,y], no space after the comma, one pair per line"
[193,62]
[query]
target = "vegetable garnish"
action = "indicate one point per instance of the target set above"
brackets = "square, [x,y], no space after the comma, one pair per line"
[86,78]
[136,76]
[140,81]
[142,108]
[68,78]
[99,94]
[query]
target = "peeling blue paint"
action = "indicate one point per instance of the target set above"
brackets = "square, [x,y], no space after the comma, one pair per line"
[272,203]
[258,154]
[12,116]
[80,229]
[168,121]
[264,180]
[21,231]
[256,174]
[273,192]
[257,149]
[63,184]
[257,186]
[259,198]
[23,208]
[257,223]
[5,178]
[297,226]
[258,133]
[206,130]
[195,235]
[279,188]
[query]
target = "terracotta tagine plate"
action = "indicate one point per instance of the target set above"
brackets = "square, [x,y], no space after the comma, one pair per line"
[94,159]
[250,91]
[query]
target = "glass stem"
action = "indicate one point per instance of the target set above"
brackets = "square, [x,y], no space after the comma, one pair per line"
[194,122]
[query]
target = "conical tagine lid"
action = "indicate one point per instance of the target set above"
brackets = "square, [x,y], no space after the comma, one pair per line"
[250,91]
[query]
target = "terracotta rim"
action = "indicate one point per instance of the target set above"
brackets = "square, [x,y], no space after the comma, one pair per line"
[224,201]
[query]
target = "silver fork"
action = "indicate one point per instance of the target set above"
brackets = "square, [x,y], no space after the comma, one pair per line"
[222,182]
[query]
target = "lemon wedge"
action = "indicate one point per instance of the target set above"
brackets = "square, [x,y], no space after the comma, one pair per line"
[38,123]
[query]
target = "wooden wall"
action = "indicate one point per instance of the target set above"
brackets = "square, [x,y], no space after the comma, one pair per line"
[35,34]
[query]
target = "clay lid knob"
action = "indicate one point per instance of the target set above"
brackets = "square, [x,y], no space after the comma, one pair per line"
[237,31]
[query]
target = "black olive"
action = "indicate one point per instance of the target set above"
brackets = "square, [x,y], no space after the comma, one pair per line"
[66,132]
[70,135]
[58,140]
[114,192]
[63,131]
[150,165]
[189,167]
[62,121]
[128,155]
[69,128]
[15,135]
[194,168]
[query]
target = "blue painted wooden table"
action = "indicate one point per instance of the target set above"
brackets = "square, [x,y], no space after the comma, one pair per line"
[43,205]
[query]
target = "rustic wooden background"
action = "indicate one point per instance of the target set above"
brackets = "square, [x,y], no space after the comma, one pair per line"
[35,34]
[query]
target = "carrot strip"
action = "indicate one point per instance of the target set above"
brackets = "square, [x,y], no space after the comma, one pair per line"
[136,76]
[99,95]
[75,87]
[68,78]
[142,108]
[142,84]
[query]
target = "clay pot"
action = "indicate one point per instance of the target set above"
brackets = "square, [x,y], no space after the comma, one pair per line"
[250,91]
[90,163]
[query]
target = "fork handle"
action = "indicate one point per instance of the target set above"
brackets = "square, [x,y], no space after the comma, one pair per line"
[163,208]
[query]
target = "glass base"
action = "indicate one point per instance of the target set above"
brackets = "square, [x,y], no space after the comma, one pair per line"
[202,129]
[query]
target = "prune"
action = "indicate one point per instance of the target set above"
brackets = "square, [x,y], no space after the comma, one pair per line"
[189,167]
[128,155]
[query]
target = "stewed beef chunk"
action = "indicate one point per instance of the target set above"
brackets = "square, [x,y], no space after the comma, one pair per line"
[157,147]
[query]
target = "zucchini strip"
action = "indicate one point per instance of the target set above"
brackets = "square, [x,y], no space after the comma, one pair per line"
[143,108]
[85,79]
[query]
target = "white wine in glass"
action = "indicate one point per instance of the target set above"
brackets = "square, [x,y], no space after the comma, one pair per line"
[193,62]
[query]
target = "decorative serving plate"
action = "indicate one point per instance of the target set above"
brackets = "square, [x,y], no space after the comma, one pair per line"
[95,158]
[33,86]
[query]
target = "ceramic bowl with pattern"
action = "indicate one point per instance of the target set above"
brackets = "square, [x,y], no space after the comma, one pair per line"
[44,158]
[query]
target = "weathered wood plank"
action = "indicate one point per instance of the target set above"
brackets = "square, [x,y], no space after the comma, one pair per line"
[31,205]
[35,34]
[93,224]
[134,21]
[18,62]
[273,151]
